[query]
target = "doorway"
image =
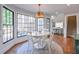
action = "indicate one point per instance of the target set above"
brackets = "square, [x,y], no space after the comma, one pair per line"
[71,26]
[72,30]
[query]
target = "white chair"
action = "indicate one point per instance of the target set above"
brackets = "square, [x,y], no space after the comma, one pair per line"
[41,43]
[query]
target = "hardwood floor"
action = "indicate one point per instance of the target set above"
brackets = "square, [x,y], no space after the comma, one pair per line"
[67,44]
[12,50]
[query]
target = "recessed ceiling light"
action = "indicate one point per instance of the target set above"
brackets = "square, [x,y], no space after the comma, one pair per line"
[68,4]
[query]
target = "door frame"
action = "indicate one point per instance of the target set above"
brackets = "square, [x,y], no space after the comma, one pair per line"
[65,23]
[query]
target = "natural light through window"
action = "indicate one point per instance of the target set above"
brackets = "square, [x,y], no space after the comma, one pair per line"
[7,24]
[40,24]
[26,24]
[59,24]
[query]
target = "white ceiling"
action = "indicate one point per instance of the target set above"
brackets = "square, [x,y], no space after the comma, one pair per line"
[50,9]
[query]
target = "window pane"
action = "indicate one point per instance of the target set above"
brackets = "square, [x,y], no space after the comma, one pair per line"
[19,16]
[7,24]
[40,24]
[59,24]
[25,24]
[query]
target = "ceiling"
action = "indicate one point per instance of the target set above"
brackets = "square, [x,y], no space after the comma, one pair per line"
[50,9]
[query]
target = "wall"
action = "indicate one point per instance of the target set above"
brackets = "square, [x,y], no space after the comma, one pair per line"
[0,27]
[78,24]
[59,18]
[65,28]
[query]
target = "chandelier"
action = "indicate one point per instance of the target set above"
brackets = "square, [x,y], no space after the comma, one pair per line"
[39,14]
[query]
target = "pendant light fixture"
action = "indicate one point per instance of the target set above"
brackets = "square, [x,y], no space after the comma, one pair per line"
[39,14]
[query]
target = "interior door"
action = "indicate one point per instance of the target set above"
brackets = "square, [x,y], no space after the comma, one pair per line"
[71,25]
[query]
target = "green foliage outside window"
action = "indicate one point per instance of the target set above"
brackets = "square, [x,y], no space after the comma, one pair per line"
[7,20]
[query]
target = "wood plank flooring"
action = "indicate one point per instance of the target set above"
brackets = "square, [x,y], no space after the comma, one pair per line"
[67,44]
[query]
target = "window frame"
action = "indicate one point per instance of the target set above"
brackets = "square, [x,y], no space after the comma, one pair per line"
[61,24]
[12,24]
[26,23]
[20,23]
[40,21]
